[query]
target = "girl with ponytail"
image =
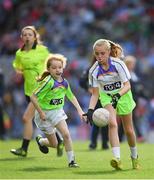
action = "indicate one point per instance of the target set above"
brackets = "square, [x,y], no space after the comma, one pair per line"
[48,99]
[109,79]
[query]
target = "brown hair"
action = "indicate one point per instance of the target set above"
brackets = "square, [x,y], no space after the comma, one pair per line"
[38,41]
[115,50]
[50,58]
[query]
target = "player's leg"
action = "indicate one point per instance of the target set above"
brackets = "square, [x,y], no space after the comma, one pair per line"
[54,139]
[112,131]
[63,128]
[60,145]
[131,138]
[93,137]
[28,131]
[120,130]
[114,139]
[47,128]
[125,110]
[136,123]
[104,136]
[49,141]
[94,131]
[43,144]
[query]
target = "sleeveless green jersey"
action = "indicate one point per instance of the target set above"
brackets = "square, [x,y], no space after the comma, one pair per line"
[51,93]
[32,64]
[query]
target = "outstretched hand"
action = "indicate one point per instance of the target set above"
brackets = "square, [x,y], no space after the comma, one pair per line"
[89,115]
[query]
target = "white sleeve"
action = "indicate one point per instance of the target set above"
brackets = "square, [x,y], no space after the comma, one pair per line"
[93,75]
[123,72]
[92,81]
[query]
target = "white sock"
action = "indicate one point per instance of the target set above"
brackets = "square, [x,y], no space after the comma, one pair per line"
[133,152]
[70,156]
[116,152]
[43,141]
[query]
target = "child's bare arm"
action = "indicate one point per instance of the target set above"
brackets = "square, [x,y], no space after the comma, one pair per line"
[36,105]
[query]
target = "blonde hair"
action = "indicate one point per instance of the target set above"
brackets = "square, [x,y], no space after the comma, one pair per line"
[130,62]
[130,59]
[50,58]
[113,47]
[37,35]
[99,42]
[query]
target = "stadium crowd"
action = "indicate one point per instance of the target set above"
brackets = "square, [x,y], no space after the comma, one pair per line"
[70,28]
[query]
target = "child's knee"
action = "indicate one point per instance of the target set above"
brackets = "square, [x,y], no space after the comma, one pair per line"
[25,119]
[129,132]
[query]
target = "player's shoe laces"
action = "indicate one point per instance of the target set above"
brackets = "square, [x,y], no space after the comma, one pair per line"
[116,163]
[60,147]
[19,152]
[135,163]
[43,149]
[73,164]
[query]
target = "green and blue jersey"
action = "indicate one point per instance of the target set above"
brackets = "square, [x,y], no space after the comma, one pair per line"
[51,93]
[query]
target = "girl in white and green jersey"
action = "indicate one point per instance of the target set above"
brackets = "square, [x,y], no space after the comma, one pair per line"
[48,100]
[30,60]
[109,79]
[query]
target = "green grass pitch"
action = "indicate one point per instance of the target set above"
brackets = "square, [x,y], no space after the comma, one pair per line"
[93,164]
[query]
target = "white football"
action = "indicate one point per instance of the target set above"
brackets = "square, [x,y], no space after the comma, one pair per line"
[101,117]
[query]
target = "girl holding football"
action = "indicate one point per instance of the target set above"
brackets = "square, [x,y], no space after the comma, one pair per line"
[109,79]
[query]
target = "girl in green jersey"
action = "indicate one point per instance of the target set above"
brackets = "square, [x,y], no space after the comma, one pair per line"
[48,100]
[30,60]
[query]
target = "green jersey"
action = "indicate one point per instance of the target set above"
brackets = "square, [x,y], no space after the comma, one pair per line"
[51,93]
[32,64]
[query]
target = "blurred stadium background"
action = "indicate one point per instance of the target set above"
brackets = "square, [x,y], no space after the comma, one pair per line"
[70,27]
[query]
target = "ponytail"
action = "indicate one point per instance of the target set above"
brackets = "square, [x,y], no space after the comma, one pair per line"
[43,76]
[116,50]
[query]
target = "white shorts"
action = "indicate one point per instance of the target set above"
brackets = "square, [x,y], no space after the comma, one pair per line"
[53,117]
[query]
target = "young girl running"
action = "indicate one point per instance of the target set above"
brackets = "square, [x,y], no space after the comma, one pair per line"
[48,100]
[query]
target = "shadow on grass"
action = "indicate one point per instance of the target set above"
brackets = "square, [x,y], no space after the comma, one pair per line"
[39,168]
[17,159]
[92,150]
[101,172]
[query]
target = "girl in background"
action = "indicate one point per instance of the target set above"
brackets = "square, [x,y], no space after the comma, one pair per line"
[30,60]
